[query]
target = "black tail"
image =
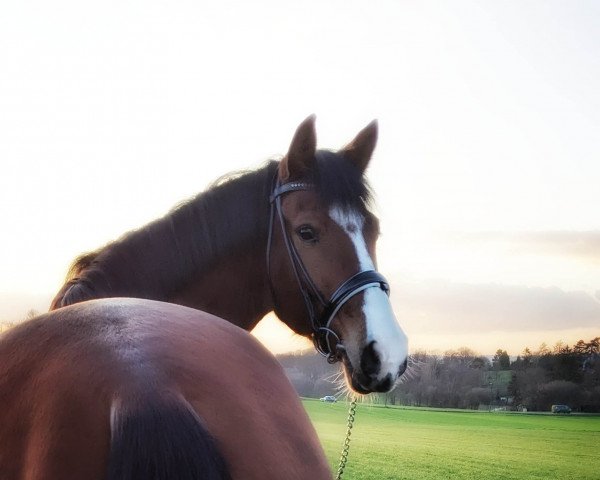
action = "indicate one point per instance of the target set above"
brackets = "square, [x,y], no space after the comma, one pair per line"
[162,439]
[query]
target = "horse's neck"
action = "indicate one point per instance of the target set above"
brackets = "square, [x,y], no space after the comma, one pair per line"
[236,290]
[230,280]
[208,254]
[234,286]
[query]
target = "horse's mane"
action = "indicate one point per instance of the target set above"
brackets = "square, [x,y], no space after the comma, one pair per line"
[163,256]
[82,262]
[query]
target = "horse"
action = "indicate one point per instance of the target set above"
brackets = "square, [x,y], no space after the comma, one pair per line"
[296,237]
[137,389]
[142,368]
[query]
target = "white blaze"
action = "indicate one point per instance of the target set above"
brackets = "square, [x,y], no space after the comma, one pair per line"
[381,324]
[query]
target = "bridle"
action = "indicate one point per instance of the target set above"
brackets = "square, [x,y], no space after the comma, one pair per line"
[320,323]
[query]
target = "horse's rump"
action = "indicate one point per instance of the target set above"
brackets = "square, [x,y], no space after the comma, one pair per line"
[139,389]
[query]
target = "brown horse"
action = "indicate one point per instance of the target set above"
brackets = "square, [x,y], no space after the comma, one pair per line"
[295,236]
[130,389]
[125,388]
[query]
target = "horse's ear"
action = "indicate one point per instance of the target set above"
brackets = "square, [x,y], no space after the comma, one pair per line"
[360,150]
[301,155]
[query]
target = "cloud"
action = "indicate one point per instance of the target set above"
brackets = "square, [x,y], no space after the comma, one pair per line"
[582,245]
[443,306]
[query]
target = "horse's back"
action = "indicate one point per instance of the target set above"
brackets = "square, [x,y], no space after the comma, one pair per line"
[66,375]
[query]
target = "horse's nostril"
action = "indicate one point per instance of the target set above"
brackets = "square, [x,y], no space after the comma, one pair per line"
[369,362]
[385,385]
[403,367]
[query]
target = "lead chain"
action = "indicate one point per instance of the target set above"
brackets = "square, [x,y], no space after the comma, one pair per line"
[346,447]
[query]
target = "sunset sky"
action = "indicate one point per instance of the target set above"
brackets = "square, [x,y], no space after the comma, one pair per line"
[487,172]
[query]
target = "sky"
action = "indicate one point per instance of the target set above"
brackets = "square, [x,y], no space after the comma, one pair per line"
[486,173]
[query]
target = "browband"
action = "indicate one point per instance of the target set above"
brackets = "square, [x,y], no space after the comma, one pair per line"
[289,187]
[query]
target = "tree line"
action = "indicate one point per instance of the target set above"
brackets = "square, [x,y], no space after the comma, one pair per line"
[534,380]
[564,374]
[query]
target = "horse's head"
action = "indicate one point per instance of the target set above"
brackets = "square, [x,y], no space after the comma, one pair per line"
[322,260]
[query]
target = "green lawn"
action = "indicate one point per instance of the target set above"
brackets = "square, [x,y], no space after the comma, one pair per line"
[402,443]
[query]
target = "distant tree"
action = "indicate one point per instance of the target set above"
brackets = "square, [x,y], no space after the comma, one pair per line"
[593,346]
[560,392]
[458,377]
[580,347]
[501,360]
[525,386]
[463,356]
[477,396]
[309,374]
[514,388]
[591,402]
[517,364]
[424,386]
[543,350]
[527,358]
[560,347]
[480,363]
[565,366]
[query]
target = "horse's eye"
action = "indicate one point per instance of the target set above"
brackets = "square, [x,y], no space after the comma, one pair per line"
[307,234]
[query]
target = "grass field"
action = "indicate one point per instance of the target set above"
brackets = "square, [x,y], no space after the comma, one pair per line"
[399,443]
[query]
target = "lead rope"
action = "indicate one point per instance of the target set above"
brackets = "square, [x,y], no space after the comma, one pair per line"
[346,446]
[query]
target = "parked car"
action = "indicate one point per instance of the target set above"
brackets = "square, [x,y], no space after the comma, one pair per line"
[561,409]
[328,398]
